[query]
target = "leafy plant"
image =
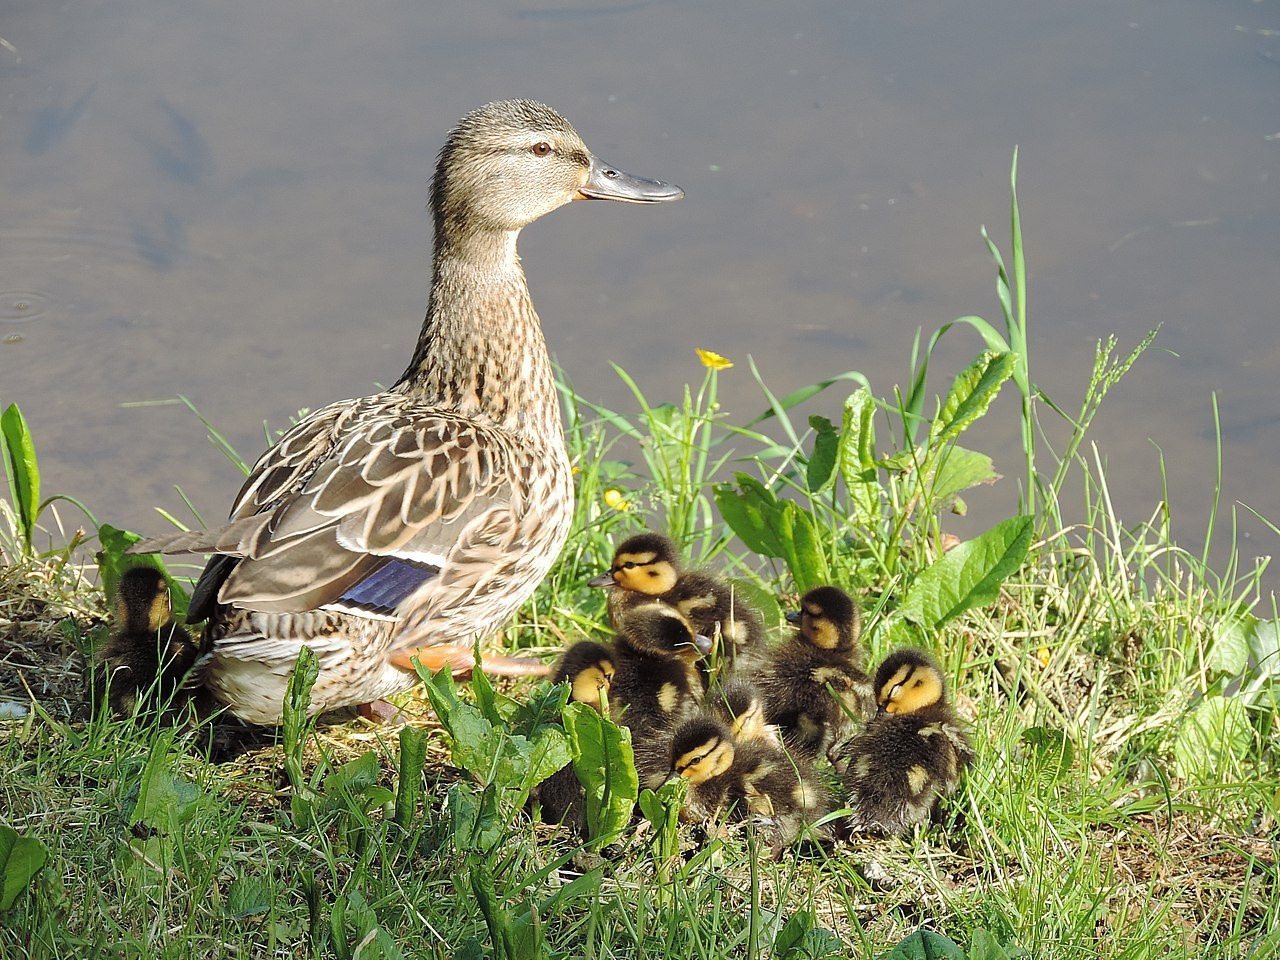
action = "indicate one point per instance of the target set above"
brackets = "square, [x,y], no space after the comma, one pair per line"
[21,858]
[605,766]
[802,939]
[22,469]
[968,576]
[506,749]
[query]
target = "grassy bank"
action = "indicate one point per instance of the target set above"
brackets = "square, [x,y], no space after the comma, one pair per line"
[1121,695]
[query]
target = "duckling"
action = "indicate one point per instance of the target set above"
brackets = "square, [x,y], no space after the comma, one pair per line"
[655,682]
[911,754]
[825,652]
[588,667]
[739,704]
[148,648]
[743,777]
[647,567]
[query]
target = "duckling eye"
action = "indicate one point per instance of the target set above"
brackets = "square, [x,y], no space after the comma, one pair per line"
[541,148]
[629,565]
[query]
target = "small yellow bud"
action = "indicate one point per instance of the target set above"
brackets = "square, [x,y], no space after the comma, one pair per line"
[613,498]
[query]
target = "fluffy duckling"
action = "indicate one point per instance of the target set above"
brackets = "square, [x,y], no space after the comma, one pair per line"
[825,652]
[739,704]
[742,778]
[148,648]
[647,567]
[588,667]
[655,682]
[911,754]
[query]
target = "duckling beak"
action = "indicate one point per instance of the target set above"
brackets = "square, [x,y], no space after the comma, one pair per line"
[703,644]
[609,183]
[604,580]
[793,616]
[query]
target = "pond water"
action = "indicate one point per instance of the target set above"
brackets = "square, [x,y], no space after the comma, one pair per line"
[227,201]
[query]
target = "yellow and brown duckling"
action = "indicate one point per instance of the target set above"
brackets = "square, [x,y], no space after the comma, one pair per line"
[800,676]
[911,754]
[655,682]
[740,778]
[148,649]
[647,567]
[588,668]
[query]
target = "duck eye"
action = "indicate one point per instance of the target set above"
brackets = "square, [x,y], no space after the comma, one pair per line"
[541,148]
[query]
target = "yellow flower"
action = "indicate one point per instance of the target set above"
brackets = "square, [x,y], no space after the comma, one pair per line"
[614,498]
[713,361]
[1044,656]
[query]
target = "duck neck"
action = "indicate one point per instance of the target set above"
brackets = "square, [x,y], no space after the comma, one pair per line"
[481,351]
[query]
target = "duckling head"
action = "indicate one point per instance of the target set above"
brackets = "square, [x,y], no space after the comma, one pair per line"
[510,162]
[660,630]
[647,563]
[142,600]
[590,671]
[828,619]
[907,681]
[702,748]
[742,702]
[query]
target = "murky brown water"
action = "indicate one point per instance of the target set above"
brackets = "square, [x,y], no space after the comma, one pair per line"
[227,201]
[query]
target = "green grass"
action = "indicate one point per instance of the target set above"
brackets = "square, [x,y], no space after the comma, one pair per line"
[1121,693]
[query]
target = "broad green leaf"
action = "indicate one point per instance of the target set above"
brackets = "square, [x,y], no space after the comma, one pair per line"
[802,549]
[661,808]
[971,394]
[763,600]
[164,801]
[957,470]
[969,575]
[248,897]
[605,766]
[486,699]
[21,858]
[1229,649]
[474,817]
[857,454]
[23,470]
[826,448]
[1264,648]
[986,947]
[1213,737]
[802,939]
[413,755]
[751,510]
[925,945]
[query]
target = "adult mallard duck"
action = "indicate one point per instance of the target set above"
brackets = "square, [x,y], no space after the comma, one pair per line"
[407,523]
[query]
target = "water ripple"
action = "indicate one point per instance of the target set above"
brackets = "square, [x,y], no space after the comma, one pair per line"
[22,306]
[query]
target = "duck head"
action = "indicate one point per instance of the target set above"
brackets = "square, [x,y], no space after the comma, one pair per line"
[909,680]
[512,161]
[647,563]
[828,618]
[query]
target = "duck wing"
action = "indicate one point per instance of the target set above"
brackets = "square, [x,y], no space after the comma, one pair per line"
[355,509]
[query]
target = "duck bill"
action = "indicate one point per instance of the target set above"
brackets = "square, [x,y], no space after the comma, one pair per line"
[609,183]
[793,616]
[703,644]
[604,580]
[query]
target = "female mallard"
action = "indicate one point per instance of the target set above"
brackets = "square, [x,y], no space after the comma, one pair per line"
[409,522]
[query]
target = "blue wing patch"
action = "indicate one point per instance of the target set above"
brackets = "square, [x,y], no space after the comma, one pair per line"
[383,590]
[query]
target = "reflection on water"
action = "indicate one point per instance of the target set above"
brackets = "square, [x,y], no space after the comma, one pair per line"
[227,202]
